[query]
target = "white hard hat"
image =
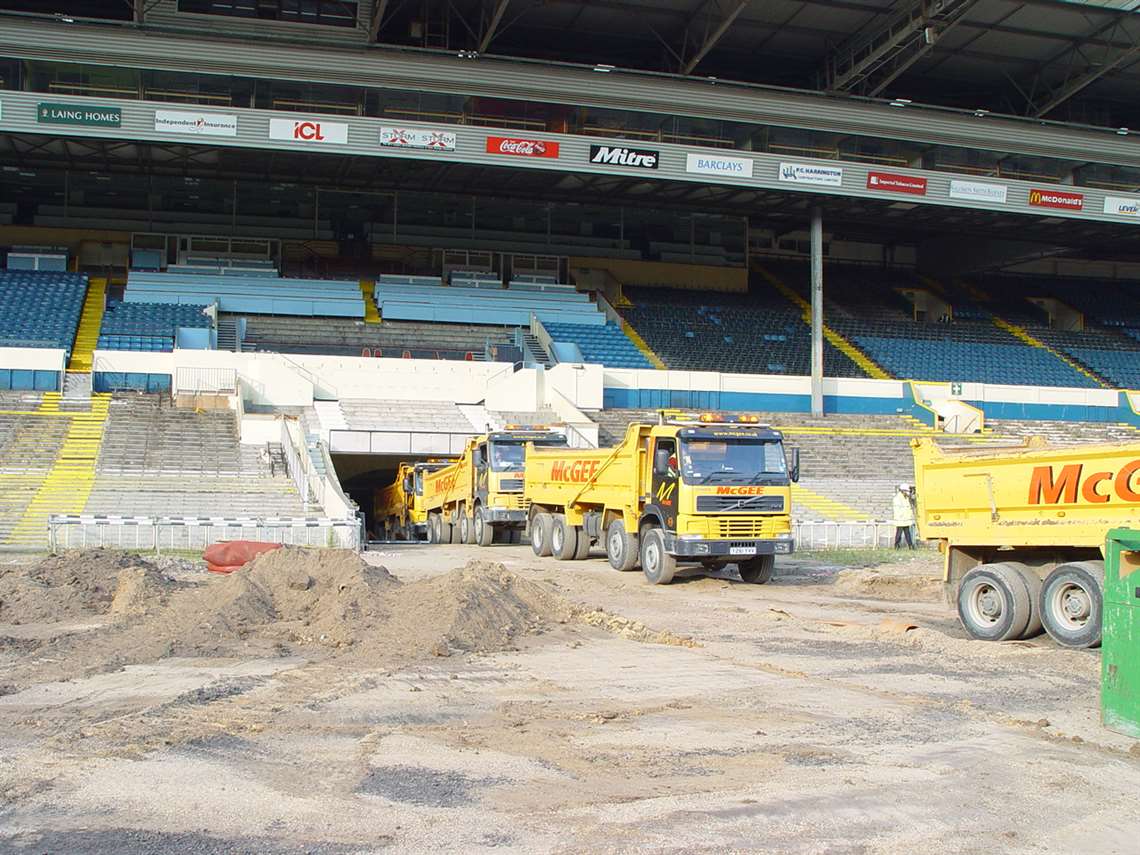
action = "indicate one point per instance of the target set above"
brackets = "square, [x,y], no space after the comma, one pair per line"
[904,487]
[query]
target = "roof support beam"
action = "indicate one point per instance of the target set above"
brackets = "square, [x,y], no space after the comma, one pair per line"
[715,36]
[379,9]
[493,25]
[1083,70]
[872,60]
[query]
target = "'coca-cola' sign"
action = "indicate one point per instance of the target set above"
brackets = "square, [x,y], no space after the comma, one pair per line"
[521,148]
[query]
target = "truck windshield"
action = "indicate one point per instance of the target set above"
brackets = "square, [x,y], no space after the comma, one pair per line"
[419,482]
[732,461]
[508,456]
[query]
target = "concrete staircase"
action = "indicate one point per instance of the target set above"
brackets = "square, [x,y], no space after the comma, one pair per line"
[90,320]
[67,482]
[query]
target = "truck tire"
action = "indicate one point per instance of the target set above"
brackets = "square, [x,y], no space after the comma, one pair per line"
[657,565]
[484,531]
[563,538]
[466,529]
[1072,603]
[433,528]
[1033,586]
[540,534]
[993,603]
[758,570]
[621,547]
[447,532]
[583,550]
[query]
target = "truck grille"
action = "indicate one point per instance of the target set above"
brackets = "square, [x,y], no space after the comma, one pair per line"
[512,501]
[740,504]
[514,485]
[762,528]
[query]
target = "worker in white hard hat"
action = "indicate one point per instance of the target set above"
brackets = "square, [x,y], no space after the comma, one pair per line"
[903,513]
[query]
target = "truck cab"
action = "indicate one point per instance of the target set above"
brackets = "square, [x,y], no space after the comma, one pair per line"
[708,488]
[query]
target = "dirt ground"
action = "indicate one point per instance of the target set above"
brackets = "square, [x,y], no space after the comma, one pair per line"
[466,699]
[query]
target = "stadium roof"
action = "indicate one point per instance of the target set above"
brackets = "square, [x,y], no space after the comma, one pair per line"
[1061,59]
[1055,58]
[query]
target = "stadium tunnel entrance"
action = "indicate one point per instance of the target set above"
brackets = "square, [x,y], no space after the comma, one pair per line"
[361,476]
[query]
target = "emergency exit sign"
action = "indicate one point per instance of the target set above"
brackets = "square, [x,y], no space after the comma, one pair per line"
[50,113]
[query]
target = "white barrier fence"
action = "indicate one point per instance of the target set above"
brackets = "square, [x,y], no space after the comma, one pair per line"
[843,535]
[81,531]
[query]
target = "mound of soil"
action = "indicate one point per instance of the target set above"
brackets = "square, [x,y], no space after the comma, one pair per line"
[316,602]
[478,608]
[891,583]
[79,584]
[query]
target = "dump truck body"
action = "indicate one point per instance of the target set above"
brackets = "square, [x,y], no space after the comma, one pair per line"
[1042,510]
[481,494]
[711,492]
[398,509]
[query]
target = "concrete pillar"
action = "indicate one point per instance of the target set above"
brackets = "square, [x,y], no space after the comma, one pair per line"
[816,312]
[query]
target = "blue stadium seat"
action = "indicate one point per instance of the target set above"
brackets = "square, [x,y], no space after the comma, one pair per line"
[606,345]
[40,308]
[148,326]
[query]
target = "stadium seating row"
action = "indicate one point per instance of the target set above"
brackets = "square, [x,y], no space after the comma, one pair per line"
[41,308]
[148,326]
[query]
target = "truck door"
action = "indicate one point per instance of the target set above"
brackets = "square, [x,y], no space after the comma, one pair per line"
[482,468]
[665,476]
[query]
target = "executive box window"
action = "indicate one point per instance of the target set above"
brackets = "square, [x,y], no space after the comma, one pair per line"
[329,13]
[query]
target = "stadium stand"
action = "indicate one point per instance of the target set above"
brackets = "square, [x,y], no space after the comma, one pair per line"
[864,304]
[606,345]
[253,294]
[474,304]
[41,309]
[157,459]
[757,333]
[336,336]
[148,326]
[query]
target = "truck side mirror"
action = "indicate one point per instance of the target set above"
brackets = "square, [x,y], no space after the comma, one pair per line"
[794,464]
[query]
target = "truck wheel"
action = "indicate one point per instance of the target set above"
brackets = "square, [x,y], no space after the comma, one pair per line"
[447,532]
[433,528]
[583,550]
[465,529]
[563,539]
[993,603]
[758,570]
[657,565]
[1033,586]
[484,531]
[1072,603]
[621,547]
[540,525]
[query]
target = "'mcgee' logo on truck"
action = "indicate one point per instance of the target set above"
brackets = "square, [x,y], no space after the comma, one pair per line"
[575,472]
[740,491]
[443,484]
[1050,487]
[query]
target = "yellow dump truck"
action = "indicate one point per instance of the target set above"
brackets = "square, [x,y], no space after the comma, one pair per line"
[480,496]
[1023,532]
[398,509]
[709,488]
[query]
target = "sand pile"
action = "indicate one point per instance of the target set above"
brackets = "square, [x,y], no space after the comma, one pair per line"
[891,583]
[81,584]
[316,603]
[480,607]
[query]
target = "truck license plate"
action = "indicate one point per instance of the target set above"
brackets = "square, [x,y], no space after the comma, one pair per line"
[742,550]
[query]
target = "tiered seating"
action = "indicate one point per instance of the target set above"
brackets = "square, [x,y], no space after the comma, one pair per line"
[422,416]
[40,309]
[968,352]
[758,333]
[607,344]
[342,337]
[147,326]
[479,305]
[257,295]
[863,304]
[474,279]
